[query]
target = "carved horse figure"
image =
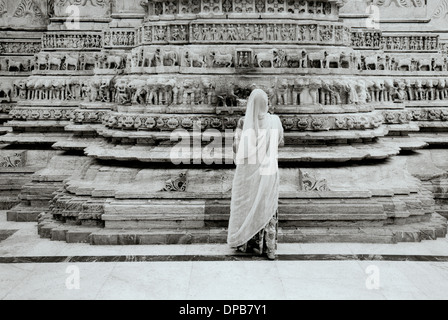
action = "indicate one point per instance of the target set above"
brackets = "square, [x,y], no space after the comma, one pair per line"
[171,56]
[192,57]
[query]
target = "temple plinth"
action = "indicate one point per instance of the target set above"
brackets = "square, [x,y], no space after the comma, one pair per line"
[130,117]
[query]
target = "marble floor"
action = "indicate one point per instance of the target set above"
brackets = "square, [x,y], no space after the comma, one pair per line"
[34,268]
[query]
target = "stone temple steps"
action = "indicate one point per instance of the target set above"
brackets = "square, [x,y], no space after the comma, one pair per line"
[194,214]
[431,230]
[36,194]
[383,149]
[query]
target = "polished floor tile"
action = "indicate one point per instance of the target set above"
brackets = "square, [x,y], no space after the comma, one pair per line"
[35,268]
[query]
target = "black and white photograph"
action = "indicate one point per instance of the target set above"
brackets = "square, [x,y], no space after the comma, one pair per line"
[223,156]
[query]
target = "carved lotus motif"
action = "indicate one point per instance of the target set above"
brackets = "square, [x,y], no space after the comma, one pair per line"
[35,114]
[46,114]
[58,114]
[216,123]
[202,123]
[230,123]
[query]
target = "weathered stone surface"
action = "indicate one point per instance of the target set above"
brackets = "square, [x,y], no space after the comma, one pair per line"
[360,106]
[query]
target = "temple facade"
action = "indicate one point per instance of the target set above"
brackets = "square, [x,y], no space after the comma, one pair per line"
[117,117]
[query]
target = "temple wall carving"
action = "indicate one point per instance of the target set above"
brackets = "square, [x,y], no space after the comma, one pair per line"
[26,14]
[133,73]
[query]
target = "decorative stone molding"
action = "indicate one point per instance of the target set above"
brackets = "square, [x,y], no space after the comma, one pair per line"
[49,113]
[119,38]
[400,3]
[442,10]
[178,184]
[94,3]
[15,161]
[28,8]
[73,61]
[8,47]
[72,41]
[416,43]
[311,183]
[5,108]
[366,39]
[88,116]
[16,64]
[397,117]
[3,8]
[245,31]
[126,121]
[429,114]
[304,9]
[374,40]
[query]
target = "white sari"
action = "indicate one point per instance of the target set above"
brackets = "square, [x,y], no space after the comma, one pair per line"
[255,190]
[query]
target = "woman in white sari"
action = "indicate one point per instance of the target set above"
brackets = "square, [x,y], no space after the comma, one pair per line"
[253,220]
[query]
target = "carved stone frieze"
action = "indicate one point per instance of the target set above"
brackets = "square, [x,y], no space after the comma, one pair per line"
[48,113]
[9,47]
[249,31]
[296,8]
[127,121]
[119,38]
[72,41]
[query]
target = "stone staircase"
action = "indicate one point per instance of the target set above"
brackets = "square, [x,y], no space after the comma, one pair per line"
[36,195]
[134,205]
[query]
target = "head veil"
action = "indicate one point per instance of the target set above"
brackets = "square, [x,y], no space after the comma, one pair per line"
[252,138]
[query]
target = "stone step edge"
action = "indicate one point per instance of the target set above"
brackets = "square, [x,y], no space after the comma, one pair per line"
[417,232]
